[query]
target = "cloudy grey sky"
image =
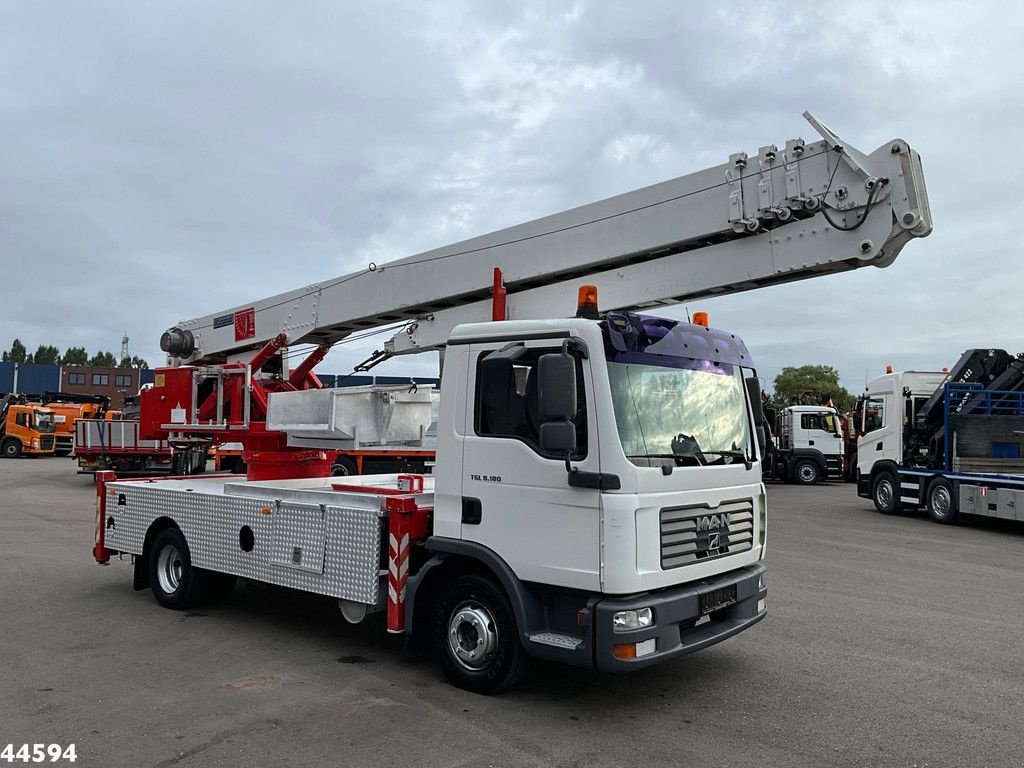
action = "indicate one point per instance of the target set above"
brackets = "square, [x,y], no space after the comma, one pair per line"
[161,161]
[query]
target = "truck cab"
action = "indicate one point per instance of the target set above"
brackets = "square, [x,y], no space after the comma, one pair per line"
[618,483]
[885,415]
[810,445]
[26,430]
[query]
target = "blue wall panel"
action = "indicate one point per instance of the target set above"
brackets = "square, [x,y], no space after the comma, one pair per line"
[33,379]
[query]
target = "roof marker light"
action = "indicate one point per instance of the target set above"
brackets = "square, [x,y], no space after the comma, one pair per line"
[586,305]
[701,319]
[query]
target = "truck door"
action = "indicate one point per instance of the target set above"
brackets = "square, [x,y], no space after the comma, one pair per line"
[881,427]
[516,500]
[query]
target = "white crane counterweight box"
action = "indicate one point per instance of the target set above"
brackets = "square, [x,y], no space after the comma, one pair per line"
[352,417]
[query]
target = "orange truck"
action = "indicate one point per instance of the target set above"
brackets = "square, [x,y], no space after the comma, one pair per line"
[67,407]
[26,429]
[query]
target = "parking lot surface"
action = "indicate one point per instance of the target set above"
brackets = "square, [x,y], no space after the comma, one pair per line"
[890,641]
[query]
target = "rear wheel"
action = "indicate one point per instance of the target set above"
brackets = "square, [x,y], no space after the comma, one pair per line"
[884,493]
[475,637]
[176,584]
[11,448]
[343,467]
[806,472]
[942,502]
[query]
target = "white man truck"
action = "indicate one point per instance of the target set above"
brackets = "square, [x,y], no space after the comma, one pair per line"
[810,445]
[948,441]
[596,497]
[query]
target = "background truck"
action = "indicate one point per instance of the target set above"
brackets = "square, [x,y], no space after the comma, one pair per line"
[26,429]
[596,497]
[950,442]
[809,446]
[112,442]
[67,407]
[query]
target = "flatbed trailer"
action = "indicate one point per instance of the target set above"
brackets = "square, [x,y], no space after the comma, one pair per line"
[113,444]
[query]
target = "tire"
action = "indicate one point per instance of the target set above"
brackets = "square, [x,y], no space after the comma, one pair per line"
[11,448]
[806,472]
[942,502]
[343,467]
[885,493]
[472,614]
[175,583]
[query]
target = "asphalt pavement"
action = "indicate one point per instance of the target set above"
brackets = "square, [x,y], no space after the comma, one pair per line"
[890,641]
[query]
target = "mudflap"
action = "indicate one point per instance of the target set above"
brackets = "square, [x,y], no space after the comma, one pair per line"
[140,574]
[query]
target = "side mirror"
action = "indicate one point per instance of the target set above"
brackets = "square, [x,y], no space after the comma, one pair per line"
[558,437]
[754,394]
[762,440]
[556,387]
[556,400]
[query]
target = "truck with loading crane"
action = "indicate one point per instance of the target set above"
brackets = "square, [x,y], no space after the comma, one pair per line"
[949,441]
[596,497]
[67,408]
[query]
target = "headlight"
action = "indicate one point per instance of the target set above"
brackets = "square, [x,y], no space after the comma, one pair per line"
[35,444]
[623,621]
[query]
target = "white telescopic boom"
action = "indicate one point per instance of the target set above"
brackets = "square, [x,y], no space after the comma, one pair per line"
[779,216]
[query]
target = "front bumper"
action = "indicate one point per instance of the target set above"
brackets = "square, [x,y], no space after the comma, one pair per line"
[676,613]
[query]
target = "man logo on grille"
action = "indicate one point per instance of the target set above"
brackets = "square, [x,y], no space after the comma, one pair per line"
[714,540]
[711,522]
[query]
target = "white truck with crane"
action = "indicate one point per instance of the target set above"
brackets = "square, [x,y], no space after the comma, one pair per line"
[950,441]
[597,496]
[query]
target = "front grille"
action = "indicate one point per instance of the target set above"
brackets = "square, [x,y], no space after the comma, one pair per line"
[696,533]
[46,442]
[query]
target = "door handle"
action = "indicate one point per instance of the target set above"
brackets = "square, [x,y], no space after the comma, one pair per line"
[878,447]
[472,511]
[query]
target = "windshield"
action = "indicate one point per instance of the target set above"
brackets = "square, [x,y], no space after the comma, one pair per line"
[44,421]
[691,416]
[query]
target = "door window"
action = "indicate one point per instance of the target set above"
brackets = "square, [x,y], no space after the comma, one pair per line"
[874,414]
[506,400]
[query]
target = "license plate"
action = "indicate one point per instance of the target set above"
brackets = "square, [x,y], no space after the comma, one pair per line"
[719,598]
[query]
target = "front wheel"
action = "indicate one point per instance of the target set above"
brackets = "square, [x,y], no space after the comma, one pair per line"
[806,473]
[475,637]
[941,502]
[11,448]
[884,493]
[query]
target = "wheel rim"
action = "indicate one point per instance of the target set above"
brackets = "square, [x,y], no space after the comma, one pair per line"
[169,568]
[942,502]
[806,473]
[884,493]
[472,636]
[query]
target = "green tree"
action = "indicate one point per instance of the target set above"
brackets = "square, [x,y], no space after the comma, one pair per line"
[103,360]
[18,353]
[132,361]
[75,356]
[820,382]
[46,355]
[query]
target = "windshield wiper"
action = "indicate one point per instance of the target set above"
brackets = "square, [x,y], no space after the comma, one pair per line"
[667,468]
[747,461]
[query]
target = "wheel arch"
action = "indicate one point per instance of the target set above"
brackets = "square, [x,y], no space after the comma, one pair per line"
[453,558]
